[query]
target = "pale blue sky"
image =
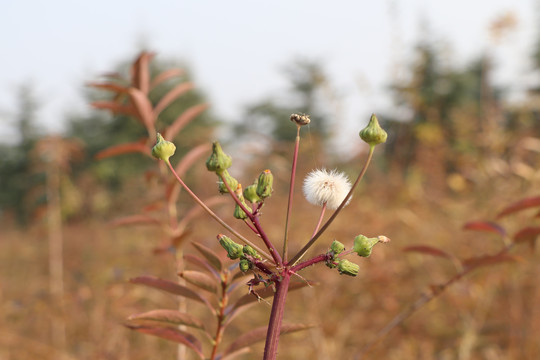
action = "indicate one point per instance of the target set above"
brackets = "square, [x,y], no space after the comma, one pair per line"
[237,48]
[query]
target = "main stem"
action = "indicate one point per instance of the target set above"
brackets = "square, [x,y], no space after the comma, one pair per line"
[276,316]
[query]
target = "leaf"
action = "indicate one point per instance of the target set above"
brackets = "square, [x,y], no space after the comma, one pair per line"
[184,119]
[114,107]
[109,86]
[523,204]
[171,96]
[189,159]
[489,260]
[487,226]
[200,280]
[429,250]
[259,334]
[135,220]
[170,287]
[122,149]
[175,335]
[166,316]
[528,234]
[235,354]
[164,76]
[143,107]
[140,76]
[201,263]
[209,255]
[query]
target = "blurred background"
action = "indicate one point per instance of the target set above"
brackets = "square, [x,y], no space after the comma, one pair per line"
[455,84]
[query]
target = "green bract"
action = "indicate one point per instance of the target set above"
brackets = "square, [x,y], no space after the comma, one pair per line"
[218,161]
[363,245]
[264,184]
[345,267]
[163,149]
[373,133]
[234,250]
[337,247]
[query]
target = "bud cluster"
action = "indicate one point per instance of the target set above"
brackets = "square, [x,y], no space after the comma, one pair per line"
[236,251]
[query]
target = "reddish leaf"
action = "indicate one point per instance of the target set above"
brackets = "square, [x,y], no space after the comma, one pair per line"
[183,120]
[122,149]
[202,264]
[523,204]
[172,95]
[175,335]
[114,107]
[209,255]
[200,280]
[166,317]
[429,250]
[135,220]
[164,76]
[487,226]
[140,76]
[235,354]
[143,107]
[528,234]
[489,260]
[109,86]
[170,287]
[189,159]
[259,334]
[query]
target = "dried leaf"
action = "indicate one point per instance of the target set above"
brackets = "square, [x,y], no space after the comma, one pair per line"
[143,107]
[164,76]
[489,260]
[209,255]
[487,226]
[167,316]
[523,204]
[175,335]
[171,96]
[200,280]
[528,234]
[429,250]
[170,287]
[183,120]
[135,220]
[259,334]
[122,149]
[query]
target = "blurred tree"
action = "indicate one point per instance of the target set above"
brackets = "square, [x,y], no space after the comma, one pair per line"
[15,179]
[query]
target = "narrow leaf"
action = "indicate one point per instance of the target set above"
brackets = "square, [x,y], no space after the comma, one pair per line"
[166,316]
[191,157]
[235,354]
[487,226]
[488,260]
[175,335]
[528,234]
[183,120]
[164,76]
[143,107]
[209,255]
[195,260]
[200,280]
[140,75]
[428,250]
[171,96]
[135,220]
[523,204]
[122,149]
[114,107]
[170,287]
[109,86]
[259,334]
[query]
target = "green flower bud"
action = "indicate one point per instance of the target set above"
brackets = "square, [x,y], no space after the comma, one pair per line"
[218,161]
[373,133]
[345,267]
[233,183]
[244,265]
[264,184]
[337,247]
[248,250]
[250,194]
[163,149]
[234,250]
[238,212]
[363,245]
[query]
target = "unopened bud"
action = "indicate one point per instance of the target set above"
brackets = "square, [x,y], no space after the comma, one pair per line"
[232,182]
[264,184]
[248,250]
[218,161]
[300,119]
[244,265]
[238,212]
[345,267]
[337,247]
[250,194]
[373,133]
[163,149]
[234,250]
[363,245]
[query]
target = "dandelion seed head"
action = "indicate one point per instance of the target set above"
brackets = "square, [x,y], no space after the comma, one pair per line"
[323,186]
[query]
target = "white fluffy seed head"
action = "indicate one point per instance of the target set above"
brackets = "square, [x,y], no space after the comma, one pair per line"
[323,186]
